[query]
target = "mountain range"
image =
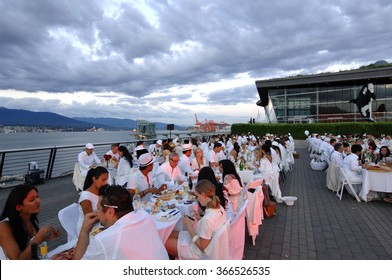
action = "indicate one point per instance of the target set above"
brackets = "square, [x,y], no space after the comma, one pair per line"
[16,117]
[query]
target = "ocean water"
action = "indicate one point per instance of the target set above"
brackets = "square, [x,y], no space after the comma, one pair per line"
[36,140]
[50,139]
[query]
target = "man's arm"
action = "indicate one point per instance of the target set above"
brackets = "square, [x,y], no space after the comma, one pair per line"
[90,220]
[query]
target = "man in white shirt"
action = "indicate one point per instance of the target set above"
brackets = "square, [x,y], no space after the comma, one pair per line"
[126,236]
[87,159]
[351,165]
[113,152]
[216,155]
[143,179]
[337,155]
[156,149]
[185,164]
[169,173]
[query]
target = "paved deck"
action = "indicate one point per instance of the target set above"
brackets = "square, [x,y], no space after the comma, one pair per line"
[319,226]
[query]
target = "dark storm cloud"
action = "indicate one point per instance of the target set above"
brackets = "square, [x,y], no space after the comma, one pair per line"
[214,40]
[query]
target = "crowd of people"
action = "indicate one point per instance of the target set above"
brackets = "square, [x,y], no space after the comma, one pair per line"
[349,153]
[163,165]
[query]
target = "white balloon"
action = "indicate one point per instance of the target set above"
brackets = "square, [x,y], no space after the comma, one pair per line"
[306,133]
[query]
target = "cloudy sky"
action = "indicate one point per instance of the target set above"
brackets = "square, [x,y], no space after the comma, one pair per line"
[169,60]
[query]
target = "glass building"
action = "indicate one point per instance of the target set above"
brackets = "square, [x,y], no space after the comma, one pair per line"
[326,97]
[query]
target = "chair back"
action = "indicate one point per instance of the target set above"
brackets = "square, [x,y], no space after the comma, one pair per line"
[77,178]
[68,218]
[344,182]
[2,254]
[251,185]
[218,249]
[254,212]
[237,234]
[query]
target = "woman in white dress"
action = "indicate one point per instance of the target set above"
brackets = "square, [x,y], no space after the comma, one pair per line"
[199,161]
[190,244]
[124,167]
[96,178]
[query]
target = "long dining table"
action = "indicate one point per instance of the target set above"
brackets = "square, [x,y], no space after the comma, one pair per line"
[375,179]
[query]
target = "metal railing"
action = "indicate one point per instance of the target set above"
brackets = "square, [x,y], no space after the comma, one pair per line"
[56,161]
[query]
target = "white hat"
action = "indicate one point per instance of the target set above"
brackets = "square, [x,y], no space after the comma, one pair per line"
[145,160]
[326,139]
[186,147]
[159,142]
[175,141]
[274,143]
[89,146]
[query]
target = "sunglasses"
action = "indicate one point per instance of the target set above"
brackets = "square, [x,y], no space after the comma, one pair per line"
[108,197]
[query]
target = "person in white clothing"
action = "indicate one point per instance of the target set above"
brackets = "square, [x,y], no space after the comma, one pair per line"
[113,152]
[169,174]
[143,179]
[215,156]
[351,165]
[88,198]
[184,162]
[199,161]
[126,235]
[156,148]
[87,159]
[337,154]
[191,243]
[124,167]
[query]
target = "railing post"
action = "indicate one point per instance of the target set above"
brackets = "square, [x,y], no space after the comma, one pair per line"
[2,164]
[51,160]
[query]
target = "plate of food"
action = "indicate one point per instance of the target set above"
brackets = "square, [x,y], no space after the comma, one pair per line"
[167,216]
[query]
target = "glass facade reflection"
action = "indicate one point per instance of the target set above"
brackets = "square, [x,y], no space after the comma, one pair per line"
[325,97]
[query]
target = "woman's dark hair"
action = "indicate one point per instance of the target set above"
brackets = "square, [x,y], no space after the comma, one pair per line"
[236,147]
[229,168]
[126,155]
[388,154]
[16,197]
[373,145]
[266,149]
[206,173]
[93,173]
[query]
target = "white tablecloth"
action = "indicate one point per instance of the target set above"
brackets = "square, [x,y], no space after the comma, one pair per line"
[375,181]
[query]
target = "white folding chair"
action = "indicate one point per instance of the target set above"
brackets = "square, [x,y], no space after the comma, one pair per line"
[218,249]
[237,234]
[246,176]
[254,213]
[77,178]
[344,182]
[251,185]
[68,218]
[332,176]
[2,254]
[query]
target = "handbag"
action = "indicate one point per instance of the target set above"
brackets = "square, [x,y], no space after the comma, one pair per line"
[269,207]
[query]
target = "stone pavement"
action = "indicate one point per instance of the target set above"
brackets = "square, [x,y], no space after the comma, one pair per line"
[318,227]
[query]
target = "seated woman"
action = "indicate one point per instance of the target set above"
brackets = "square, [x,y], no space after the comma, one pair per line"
[88,199]
[206,173]
[382,157]
[233,155]
[190,244]
[264,166]
[19,224]
[199,161]
[125,165]
[384,153]
[232,183]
